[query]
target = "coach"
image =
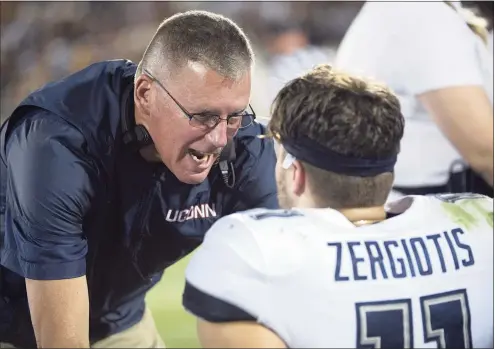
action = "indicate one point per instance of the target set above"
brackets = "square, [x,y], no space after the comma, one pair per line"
[114,173]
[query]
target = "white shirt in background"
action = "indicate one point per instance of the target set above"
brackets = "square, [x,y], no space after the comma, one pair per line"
[415,47]
[284,68]
[490,50]
[269,77]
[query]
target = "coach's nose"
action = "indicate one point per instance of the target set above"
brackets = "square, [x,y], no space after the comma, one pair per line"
[218,135]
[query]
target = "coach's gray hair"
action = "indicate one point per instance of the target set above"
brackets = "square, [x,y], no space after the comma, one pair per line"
[198,36]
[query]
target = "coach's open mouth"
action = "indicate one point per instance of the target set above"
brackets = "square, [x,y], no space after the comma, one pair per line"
[200,157]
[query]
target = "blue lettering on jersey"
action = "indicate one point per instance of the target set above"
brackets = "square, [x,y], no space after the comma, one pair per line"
[355,260]
[470,260]
[338,276]
[408,256]
[397,259]
[421,254]
[452,250]
[376,259]
[392,260]
[435,238]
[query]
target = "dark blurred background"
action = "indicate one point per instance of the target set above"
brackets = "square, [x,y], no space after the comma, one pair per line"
[43,41]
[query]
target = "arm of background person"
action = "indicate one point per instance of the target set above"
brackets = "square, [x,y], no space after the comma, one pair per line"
[49,190]
[445,70]
[465,116]
[226,289]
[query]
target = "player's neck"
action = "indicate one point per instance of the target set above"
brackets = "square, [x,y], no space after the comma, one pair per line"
[358,216]
[364,215]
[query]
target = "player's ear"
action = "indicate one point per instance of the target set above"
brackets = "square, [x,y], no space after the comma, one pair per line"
[298,178]
[142,94]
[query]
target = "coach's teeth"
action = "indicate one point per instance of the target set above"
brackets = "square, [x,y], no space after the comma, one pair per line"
[199,157]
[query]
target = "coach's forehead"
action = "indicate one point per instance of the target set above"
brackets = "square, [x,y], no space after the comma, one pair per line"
[208,91]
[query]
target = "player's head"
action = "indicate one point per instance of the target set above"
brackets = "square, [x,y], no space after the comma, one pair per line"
[339,137]
[196,68]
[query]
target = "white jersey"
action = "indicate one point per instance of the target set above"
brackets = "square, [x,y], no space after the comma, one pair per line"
[420,279]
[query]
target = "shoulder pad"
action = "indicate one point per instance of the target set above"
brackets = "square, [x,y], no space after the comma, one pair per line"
[454,197]
[261,213]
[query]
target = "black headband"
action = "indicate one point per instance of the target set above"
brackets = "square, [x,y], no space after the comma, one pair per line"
[313,153]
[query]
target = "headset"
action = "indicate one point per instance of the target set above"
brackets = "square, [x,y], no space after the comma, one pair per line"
[138,137]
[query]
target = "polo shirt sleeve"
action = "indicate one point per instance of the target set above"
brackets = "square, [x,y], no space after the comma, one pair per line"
[255,185]
[49,187]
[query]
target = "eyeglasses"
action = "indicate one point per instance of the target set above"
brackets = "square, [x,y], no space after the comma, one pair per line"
[208,121]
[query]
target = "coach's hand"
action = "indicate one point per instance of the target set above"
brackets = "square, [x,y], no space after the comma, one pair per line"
[59,312]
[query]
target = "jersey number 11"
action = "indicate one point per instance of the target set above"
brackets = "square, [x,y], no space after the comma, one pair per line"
[445,319]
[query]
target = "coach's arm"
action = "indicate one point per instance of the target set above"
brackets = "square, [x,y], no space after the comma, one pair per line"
[49,190]
[237,335]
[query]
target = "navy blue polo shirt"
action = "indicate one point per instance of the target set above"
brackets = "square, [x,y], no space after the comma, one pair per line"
[76,200]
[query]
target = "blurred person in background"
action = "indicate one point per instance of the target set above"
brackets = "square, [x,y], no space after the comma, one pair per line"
[292,38]
[114,173]
[485,9]
[290,54]
[434,56]
[339,268]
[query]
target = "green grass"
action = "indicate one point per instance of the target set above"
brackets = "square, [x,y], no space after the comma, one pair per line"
[176,326]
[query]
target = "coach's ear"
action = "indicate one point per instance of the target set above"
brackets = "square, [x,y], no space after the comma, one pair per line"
[298,178]
[142,96]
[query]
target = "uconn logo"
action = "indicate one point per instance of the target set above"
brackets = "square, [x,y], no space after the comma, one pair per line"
[194,212]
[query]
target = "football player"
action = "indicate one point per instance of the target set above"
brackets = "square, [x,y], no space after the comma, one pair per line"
[339,268]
